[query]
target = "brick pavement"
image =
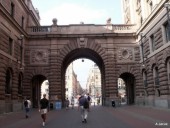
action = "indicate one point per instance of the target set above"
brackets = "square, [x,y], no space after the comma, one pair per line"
[99,117]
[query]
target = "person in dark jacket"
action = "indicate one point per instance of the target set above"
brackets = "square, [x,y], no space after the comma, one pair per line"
[83,106]
[44,107]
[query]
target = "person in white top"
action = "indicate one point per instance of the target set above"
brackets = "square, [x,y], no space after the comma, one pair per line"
[27,105]
[72,102]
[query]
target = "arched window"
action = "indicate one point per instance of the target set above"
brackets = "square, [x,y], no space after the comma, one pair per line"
[156,76]
[168,70]
[145,79]
[8,82]
[20,79]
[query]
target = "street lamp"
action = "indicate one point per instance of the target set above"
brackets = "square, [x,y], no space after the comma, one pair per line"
[21,39]
[142,49]
[167,6]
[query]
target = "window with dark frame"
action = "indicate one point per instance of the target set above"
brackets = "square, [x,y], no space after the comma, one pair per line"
[20,84]
[145,79]
[22,22]
[167,32]
[168,70]
[152,42]
[12,9]
[8,82]
[156,76]
[10,46]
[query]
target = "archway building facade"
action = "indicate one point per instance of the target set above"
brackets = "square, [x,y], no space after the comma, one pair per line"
[31,53]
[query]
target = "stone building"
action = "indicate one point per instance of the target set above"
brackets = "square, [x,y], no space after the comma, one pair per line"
[72,85]
[153,36]
[15,17]
[137,52]
[93,85]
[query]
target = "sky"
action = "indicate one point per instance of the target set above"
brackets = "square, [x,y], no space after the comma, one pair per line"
[76,11]
[82,70]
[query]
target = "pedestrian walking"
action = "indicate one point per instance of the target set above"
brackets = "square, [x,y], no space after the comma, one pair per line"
[44,108]
[89,100]
[72,102]
[83,106]
[27,106]
[67,102]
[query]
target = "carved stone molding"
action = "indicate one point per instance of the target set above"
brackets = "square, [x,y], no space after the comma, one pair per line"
[39,56]
[82,42]
[125,54]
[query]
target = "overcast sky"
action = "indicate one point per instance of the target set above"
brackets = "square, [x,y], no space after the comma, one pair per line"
[76,11]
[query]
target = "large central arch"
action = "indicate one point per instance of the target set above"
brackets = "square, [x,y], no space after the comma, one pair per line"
[88,48]
[83,53]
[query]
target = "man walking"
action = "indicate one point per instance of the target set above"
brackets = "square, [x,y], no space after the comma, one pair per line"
[72,102]
[83,106]
[89,100]
[44,107]
[27,105]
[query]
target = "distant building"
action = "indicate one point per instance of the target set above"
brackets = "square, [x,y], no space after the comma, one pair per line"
[121,88]
[45,89]
[94,82]
[72,85]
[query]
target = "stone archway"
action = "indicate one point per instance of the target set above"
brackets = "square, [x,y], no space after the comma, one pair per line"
[129,80]
[83,53]
[76,48]
[36,82]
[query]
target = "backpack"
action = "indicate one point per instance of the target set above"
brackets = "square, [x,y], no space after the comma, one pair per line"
[86,104]
[88,98]
[26,103]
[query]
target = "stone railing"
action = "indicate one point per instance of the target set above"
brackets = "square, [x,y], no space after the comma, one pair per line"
[37,29]
[81,29]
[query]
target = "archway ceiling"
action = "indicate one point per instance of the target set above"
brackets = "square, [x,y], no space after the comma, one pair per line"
[83,53]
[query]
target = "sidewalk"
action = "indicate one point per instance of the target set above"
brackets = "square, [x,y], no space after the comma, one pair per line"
[99,117]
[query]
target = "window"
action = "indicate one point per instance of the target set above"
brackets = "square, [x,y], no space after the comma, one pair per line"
[167,32]
[142,51]
[141,20]
[12,9]
[21,55]
[96,76]
[22,22]
[152,39]
[8,82]
[145,79]
[10,46]
[20,84]
[168,70]
[156,76]
[151,5]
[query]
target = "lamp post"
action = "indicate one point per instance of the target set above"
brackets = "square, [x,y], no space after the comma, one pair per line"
[21,39]
[167,6]
[142,49]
